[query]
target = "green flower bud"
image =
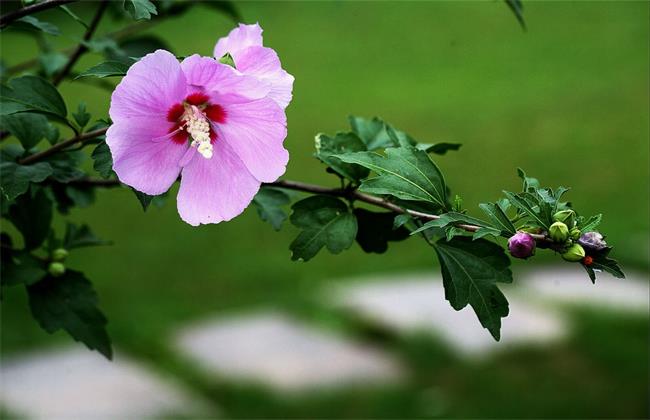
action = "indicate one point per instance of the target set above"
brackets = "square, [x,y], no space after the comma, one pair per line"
[568,217]
[574,253]
[575,234]
[56,269]
[559,232]
[59,254]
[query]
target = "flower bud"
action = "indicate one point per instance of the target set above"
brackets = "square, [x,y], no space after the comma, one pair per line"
[521,245]
[56,269]
[574,253]
[593,241]
[574,233]
[59,254]
[568,217]
[559,232]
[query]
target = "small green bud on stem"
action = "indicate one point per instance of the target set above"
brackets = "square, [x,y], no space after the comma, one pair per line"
[558,232]
[568,217]
[59,254]
[574,253]
[575,234]
[56,269]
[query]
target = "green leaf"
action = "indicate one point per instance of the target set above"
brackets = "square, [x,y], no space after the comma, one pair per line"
[80,196]
[73,15]
[228,60]
[70,303]
[80,236]
[526,208]
[106,69]
[136,47]
[15,178]
[376,229]
[52,62]
[486,231]
[31,93]
[32,216]
[530,184]
[21,268]
[81,117]
[65,166]
[451,219]
[470,271]
[591,223]
[439,148]
[325,221]
[404,172]
[143,198]
[517,8]
[371,132]
[328,147]
[26,127]
[140,9]
[46,27]
[609,265]
[269,203]
[498,217]
[102,160]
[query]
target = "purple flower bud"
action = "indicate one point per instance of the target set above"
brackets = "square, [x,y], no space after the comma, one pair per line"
[593,241]
[521,245]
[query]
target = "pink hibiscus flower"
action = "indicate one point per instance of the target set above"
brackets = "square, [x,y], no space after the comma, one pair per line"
[244,44]
[200,119]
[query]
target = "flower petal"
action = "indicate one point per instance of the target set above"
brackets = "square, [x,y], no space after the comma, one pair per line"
[264,64]
[255,131]
[239,38]
[148,166]
[205,74]
[150,87]
[216,189]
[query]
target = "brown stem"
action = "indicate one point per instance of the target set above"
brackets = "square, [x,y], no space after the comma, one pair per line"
[7,18]
[81,48]
[81,138]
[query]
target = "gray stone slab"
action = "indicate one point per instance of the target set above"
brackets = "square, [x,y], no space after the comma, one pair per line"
[79,384]
[570,284]
[416,302]
[275,350]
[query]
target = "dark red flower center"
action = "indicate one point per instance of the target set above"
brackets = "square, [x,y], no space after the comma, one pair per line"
[179,113]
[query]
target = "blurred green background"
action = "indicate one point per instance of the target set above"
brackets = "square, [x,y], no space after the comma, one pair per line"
[567,100]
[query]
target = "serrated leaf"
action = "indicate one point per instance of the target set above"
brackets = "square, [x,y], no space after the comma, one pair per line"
[70,303]
[609,265]
[327,149]
[140,9]
[81,236]
[15,178]
[106,69]
[439,148]
[591,223]
[46,27]
[269,203]
[451,219]
[376,229]
[404,172]
[371,132]
[102,160]
[486,231]
[28,128]
[31,93]
[498,217]
[32,216]
[82,116]
[470,272]
[21,268]
[325,221]
[525,207]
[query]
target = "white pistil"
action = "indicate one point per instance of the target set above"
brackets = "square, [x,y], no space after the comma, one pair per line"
[198,128]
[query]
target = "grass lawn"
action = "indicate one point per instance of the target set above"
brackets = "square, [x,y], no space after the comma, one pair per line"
[567,101]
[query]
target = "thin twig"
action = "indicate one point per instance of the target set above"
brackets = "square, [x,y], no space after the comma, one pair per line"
[81,48]
[81,138]
[7,18]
